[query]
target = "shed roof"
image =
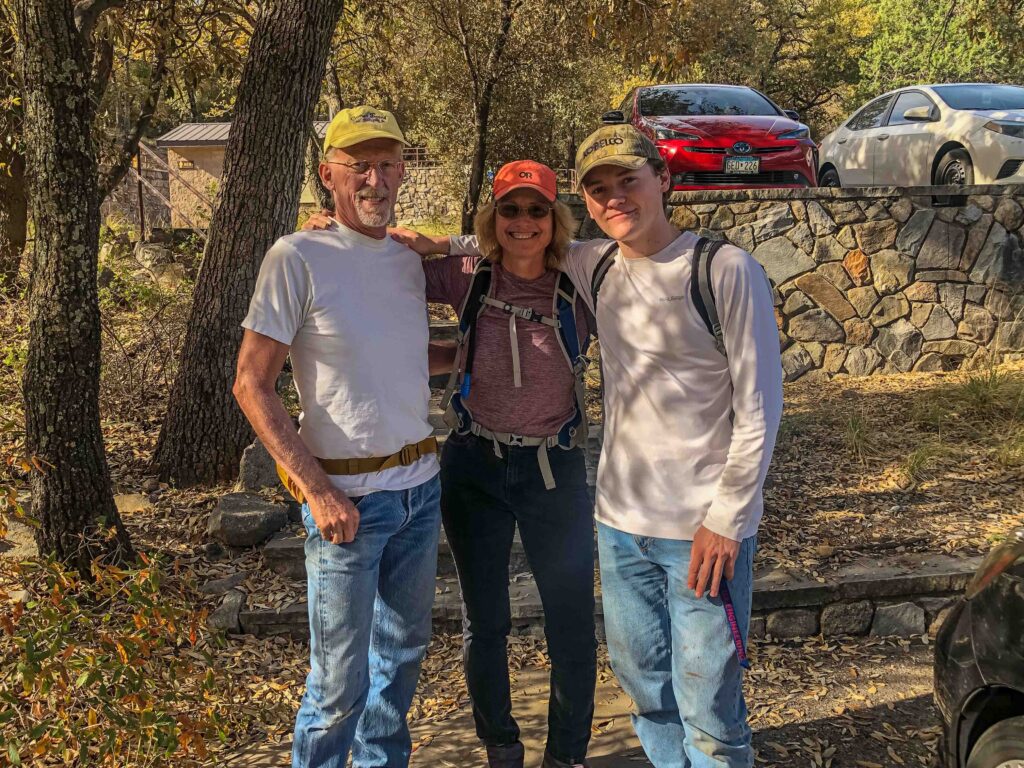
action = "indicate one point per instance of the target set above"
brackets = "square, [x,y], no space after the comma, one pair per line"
[209,134]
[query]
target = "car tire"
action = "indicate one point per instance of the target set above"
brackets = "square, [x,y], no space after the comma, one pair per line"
[1000,745]
[829,178]
[954,169]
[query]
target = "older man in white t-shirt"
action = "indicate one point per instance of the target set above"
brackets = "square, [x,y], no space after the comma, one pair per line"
[348,305]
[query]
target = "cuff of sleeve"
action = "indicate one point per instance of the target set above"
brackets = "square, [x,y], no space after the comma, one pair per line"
[724,523]
[459,245]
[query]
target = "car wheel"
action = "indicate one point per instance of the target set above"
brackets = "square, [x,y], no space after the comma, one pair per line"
[1001,746]
[955,169]
[829,178]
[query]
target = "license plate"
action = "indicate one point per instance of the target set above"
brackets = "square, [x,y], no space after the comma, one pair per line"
[742,164]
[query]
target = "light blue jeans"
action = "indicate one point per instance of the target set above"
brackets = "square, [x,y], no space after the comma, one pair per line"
[674,654]
[370,607]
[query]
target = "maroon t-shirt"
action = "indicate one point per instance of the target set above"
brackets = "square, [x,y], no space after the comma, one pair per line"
[546,399]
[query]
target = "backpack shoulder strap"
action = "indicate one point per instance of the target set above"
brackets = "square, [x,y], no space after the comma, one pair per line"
[573,432]
[472,306]
[604,263]
[701,291]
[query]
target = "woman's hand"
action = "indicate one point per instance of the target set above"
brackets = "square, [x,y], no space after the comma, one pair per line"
[320,220]
[424,245]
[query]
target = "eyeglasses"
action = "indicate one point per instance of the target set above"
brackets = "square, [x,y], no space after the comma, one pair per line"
[363,167]
[513,211]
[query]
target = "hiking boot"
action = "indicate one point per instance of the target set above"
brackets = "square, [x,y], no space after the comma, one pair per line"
[505,755]
[553,762]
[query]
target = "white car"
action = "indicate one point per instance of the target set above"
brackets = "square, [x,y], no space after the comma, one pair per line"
[965,133]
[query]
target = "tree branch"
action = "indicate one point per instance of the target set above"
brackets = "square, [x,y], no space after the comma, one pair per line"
[88,12]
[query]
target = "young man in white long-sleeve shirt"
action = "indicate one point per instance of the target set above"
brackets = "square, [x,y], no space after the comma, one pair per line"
[688,437]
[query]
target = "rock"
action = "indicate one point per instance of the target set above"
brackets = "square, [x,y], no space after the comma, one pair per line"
[150,255]
[985,202]
[862,361]
[968,215]
[224,585]
[875,211]
[942,247]
[799,210]
[976,237]
[796,362]
[796,303]
[935,605]
[149,485]
[989,264]
[952,297]
[858,267]
[1009,214]
[919,314]
[913,232]
[815,325]
[901,209]
[847,618]
[244,520]
[846,212]
[978,325]
[846,238]
[941,276]
[257,469]
[821,223]
[816,351]
[938,621]
[773,221]
[130,503]
[828,249]
[875,236]
[900,344]
[801,237]
[930,362]
[835,356]
[793,622]
[1010,337]
[863,299]
[858,332]
[212,551]
[105,254]
[999,304]
[889,309]
[723,218]
[781,260]
[927,292]
[756,629]
[939,326]
[976,294]
[168,276]
[951,348]
[826,295]
[104,277]
[741,237]
[900,620]
[225,618]
[833,272]
[685,219]
[892,271]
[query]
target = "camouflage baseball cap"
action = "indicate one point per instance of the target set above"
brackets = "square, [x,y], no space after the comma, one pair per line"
[619,144]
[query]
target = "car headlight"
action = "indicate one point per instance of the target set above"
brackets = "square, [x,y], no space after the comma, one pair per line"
[1014,129]
[997,561]
[803,132]
[668,133]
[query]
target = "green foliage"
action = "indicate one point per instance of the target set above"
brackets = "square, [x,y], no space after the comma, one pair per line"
[860,439]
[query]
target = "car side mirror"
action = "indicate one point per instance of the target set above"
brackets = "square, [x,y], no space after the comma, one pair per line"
[918,115]
[613,117]
[792,114]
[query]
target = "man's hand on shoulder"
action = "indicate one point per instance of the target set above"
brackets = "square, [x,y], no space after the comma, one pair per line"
[711,557]
[335,515]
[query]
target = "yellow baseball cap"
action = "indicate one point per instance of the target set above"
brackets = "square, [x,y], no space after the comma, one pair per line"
[351,126]
[620,144]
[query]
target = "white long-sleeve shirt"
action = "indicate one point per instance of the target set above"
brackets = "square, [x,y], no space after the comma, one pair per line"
[688,434]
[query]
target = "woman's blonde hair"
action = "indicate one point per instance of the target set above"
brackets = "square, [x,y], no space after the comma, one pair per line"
[487,239]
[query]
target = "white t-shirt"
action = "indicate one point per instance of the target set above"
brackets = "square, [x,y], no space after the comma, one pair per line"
[688,435]
[353,311]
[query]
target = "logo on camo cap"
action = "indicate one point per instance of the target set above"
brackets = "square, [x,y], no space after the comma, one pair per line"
[621,145]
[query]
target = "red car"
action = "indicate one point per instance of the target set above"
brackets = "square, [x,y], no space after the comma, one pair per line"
[722,136]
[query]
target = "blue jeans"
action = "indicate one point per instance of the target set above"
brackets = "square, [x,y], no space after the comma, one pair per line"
[674,654]
[485,497]
[370,607]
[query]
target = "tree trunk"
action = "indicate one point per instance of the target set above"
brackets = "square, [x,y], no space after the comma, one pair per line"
[476,173]
[205,432]
[71,494]
[13,217]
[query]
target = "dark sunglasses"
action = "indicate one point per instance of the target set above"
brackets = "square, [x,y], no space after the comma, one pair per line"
[513,211]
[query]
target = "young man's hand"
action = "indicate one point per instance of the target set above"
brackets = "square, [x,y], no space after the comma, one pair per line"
[711,557]
[335,515]
[424,245]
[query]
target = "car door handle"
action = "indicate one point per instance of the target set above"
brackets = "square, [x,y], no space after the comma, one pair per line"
[883,137]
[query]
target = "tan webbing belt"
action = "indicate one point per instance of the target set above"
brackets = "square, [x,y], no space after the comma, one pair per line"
[408,455]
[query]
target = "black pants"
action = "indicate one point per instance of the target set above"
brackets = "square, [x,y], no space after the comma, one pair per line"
[483,498]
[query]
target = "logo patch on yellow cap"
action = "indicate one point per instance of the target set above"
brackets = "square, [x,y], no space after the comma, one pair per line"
[351,126]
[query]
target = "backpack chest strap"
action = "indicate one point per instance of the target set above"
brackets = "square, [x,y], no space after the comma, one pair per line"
[526,313]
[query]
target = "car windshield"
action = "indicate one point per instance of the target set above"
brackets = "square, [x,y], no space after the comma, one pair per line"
[982,96]
[666,102]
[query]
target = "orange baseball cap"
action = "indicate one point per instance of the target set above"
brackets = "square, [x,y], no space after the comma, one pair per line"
[527,174]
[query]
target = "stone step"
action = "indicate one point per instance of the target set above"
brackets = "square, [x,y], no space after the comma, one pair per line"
[912,591]
[285,554]
[443,330]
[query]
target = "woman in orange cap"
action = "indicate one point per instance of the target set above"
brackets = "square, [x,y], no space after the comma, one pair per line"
[515,457]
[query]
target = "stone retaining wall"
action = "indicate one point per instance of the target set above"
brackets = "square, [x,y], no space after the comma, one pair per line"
[424,197]
[879,280]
